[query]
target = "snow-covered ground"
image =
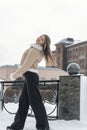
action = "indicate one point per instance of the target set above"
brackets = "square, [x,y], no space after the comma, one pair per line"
[6,119]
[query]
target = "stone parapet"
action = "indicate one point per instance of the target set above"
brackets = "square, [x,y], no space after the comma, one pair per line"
[72,97]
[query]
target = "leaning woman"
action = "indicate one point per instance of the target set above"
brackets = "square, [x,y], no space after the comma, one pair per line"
[30,94]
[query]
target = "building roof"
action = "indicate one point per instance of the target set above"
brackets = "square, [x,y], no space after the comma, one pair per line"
[79,42]
[68,41]
[50,68]
[40,67]
[9,66]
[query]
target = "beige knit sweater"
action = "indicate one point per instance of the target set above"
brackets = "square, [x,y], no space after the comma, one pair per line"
[30,60]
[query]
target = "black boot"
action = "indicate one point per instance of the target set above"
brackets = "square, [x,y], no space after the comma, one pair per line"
[44,129]
[10,128]
[47,127]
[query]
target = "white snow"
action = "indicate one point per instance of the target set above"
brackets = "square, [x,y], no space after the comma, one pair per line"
[6,119]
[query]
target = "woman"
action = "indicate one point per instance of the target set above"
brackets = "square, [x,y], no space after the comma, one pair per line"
[30,94]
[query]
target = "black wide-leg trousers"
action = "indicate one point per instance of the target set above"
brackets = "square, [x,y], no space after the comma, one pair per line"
[30,96]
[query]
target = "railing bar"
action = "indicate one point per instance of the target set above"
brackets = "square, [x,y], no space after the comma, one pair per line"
[23,81]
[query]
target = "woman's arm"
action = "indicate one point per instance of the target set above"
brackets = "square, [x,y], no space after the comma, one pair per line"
[31,57]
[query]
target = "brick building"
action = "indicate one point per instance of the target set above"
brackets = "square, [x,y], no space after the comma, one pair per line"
[45,73]
[70,50]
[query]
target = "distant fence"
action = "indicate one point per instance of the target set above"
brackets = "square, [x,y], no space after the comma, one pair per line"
[11,90]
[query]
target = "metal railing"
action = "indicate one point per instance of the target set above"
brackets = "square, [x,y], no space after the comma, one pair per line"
[11,90]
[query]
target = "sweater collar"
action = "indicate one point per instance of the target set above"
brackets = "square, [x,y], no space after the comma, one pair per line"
[37,46]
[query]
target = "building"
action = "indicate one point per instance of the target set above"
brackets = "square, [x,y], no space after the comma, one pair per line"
[70,50]
[45,73]
[6,70]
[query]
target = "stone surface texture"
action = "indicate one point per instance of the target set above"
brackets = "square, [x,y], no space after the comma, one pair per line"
[69,98]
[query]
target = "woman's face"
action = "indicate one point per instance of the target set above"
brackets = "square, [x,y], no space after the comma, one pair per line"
[40,40]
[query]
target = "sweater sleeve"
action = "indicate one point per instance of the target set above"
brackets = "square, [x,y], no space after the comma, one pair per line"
[31,57]
[23,57]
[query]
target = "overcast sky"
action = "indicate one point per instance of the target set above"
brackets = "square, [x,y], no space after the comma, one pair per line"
[22,21]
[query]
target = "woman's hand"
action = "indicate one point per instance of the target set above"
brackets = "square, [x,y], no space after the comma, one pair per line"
[12,77]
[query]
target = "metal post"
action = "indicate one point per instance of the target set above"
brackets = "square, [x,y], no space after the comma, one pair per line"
[57,97]
[1,97]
